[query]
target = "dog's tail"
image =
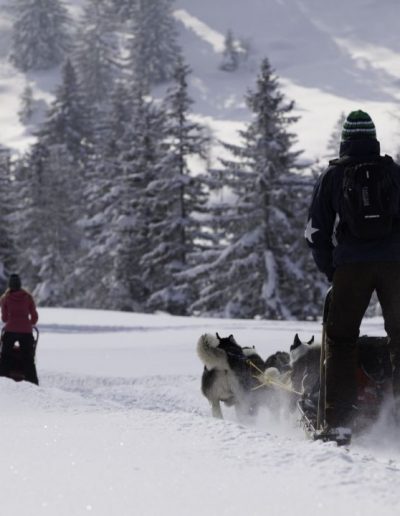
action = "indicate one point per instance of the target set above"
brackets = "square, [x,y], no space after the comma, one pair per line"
[210,354]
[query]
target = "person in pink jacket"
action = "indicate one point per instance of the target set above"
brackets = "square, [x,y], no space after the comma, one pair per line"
[18,312]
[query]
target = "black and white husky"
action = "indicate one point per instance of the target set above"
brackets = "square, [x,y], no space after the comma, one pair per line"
[228,375]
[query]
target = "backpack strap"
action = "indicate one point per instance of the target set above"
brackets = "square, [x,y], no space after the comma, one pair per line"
[387,159]
[344,160]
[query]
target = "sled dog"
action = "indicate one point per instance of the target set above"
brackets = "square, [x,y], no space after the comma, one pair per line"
[304,361]
[228,375]
[374,367]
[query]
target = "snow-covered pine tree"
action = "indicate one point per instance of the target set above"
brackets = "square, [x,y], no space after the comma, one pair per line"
[334,140]
[177,201]
[51,183]
[153,49]
[124,9]
[230,56]
[40,37]
[27,102]
[60,238]
[68,120]
[7,209]
[140,152]
[47,235]
[302,287]
[30,216]
[95,56]
[248,275]
[102,201]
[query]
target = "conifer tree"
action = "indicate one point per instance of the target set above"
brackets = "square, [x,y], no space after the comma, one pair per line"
[30,217]
[7,220]
[68,121]
[248,275]
[50,184]
[303,288]
[60,237]
[230,56]
[124,9]
[96,52]
[178,201]
[26,110]
[102,195]
[40,37]
[154,49]
[48,236]
[333,146]
[141,152]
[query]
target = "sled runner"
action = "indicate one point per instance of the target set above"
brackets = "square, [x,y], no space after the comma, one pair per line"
[374,384]
[18,365]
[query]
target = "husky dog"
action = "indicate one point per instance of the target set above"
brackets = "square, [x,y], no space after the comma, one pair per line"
[228,375]
[280,360]
[304,361]
[374,367]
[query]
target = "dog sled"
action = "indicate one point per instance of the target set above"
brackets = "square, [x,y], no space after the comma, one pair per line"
[374,385]
[237,376]
[17,365]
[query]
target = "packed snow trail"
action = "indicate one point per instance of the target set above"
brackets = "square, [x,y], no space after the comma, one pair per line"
[73,453]
[119,426]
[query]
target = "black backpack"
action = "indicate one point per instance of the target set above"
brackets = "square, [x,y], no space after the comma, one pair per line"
[370,198]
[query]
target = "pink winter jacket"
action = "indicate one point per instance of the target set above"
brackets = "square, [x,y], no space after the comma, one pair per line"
[18,311]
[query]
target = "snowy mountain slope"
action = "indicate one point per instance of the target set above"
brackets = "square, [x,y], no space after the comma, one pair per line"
[300,39]
[331,57]
[119,426]
[327,68]
[366,20]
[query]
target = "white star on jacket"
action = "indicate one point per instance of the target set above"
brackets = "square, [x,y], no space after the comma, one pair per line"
[310,231]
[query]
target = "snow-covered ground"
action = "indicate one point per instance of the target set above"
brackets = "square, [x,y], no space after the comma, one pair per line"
[119,426]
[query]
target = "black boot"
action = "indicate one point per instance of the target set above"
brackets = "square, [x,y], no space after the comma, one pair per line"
[340,384]
[30,372]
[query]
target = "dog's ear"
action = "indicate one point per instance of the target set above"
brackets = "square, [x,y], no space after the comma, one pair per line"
[232,339]
[311,341]
[296,342]
[218,337]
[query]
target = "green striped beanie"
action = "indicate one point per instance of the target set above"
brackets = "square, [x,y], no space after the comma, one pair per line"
[357,126]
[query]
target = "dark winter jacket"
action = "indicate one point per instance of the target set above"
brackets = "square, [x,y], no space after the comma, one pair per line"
[331,244]
[18,311]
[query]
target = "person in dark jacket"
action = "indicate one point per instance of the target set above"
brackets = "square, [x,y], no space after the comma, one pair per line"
[356,267]
[18,312]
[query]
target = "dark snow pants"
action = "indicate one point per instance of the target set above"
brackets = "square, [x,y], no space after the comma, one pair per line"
[352,288]
[26,357]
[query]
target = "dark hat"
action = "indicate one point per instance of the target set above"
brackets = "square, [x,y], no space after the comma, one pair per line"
[14,282]
[358,126]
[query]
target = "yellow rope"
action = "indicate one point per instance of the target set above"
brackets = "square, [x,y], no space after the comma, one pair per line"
[281,385]
[269,381]
[255,367]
